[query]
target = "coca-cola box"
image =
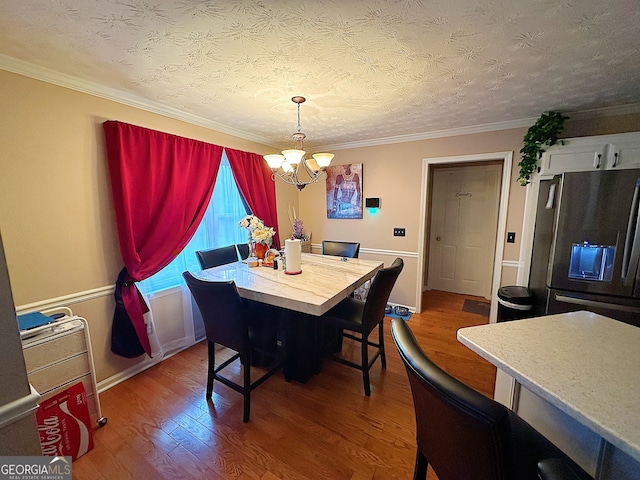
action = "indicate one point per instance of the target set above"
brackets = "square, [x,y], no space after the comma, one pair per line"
[64,424]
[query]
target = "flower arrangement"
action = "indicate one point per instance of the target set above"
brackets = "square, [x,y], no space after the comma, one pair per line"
[263,235]
[258,232]
[298,226]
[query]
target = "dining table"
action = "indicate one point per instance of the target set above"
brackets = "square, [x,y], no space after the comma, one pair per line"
[299,299]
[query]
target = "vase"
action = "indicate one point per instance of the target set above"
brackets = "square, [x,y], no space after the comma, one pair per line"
[259,250]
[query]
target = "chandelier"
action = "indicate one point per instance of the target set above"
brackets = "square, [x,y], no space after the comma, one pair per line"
[291,166]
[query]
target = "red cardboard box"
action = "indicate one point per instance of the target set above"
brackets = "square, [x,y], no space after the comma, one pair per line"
[64,424]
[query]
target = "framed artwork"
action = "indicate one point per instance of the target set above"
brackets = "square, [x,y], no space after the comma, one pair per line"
[344,191]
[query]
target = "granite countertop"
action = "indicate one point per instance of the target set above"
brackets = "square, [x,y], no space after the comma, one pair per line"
[585,364]
[324,281]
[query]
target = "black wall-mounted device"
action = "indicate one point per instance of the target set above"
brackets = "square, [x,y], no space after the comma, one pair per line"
[372,202]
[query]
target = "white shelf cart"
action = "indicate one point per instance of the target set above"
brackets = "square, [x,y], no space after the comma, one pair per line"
[58,355]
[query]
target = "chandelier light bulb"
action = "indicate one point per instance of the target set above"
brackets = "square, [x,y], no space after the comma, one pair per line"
[286,166]
[293,156]
[323,159]
[274,160]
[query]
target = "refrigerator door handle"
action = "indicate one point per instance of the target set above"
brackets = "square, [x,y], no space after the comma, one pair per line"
[632,241]
[594,303]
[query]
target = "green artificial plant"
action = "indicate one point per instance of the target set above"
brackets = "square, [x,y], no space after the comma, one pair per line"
[543,133]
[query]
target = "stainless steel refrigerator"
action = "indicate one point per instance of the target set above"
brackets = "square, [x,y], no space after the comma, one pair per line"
[18,428]
[586,245]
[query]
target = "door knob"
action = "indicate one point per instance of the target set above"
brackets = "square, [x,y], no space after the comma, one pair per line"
[437,239]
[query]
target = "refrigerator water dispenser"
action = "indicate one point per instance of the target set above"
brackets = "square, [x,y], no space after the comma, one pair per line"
[592,262]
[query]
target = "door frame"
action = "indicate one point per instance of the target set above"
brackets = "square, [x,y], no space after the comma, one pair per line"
[440,176]
[425,206]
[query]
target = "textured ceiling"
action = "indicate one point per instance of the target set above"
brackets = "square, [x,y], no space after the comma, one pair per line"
[369,69]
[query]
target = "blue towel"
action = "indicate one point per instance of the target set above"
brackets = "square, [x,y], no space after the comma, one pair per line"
[33,320]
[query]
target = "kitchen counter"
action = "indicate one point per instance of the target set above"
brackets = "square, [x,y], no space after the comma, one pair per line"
[586,365]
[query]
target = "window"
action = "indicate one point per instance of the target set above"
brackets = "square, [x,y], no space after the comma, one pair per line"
[219,228]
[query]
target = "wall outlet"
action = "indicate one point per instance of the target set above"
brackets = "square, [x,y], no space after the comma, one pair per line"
[511,237]
[398,232]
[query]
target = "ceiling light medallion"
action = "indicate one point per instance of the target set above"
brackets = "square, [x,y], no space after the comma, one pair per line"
[291,163]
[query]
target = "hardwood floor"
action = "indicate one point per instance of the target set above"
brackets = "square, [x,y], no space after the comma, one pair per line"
[161,427]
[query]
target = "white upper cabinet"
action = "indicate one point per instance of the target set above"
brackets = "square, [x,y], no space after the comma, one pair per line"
[574,155]
[620,151]
[624,151]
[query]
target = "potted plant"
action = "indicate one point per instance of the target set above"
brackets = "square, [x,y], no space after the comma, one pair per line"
[543,133]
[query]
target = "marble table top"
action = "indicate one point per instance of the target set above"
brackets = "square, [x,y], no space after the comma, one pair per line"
[585,364]
[324,281]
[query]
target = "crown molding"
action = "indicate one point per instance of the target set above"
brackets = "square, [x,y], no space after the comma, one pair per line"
[67,81]
[451,132]
[629,109]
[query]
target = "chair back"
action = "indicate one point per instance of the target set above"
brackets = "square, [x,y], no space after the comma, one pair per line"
[378,294]
[223,312]
[217,256]
[462,433]
[341,249]
[243,250]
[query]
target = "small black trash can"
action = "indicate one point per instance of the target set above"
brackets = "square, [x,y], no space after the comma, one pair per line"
[514,303]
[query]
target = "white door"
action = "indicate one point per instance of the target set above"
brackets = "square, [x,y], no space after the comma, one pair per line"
[464,219]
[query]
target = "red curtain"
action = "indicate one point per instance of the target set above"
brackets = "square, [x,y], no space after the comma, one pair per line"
[161,187]
[253,177]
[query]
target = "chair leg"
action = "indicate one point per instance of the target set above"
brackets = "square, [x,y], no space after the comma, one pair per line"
[365,366]
[420,470]
[246,391]
[211,368]
[383,357]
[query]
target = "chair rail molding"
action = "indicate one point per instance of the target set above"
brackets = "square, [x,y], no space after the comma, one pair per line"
[512,263]
[66,300]
[317,248]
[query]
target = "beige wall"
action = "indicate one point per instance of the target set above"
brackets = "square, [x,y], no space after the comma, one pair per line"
[56,214]
[394,173]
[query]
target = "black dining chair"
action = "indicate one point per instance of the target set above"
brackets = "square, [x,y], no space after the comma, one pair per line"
[463,434]
[243,250]
[217,256]
[230,321]
[353,316]
[341,249]
[346,250]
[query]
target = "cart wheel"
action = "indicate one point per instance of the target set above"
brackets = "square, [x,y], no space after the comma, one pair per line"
[102,421]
